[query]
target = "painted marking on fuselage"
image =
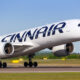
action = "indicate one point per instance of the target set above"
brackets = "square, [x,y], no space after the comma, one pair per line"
[44,31]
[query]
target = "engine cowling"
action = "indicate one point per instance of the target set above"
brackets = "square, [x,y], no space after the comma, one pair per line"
[6,49]
[63,50]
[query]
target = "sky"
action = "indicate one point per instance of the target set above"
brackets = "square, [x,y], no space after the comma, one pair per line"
[17,15]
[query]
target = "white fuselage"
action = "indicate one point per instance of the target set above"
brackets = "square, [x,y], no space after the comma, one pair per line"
[32,40]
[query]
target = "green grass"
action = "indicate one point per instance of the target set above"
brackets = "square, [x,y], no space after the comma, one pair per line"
[50,56]
[40,76]
[59,62]
[50,62]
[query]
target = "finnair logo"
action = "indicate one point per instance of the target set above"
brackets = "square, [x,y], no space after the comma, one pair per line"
[44,32]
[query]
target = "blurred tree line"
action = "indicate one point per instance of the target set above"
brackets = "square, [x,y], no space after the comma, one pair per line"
[41,55]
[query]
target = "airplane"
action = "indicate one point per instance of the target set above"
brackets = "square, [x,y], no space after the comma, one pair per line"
[58,37]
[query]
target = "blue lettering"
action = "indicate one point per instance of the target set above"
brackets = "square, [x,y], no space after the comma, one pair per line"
[4,39]
[20,39]
[13,36]
[57,27]
[30,35]
[44,31]
[49,32]
[41,32]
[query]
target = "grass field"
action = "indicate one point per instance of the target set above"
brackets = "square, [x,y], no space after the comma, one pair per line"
[50,62]
[71,60]
[45,76]
[40,76]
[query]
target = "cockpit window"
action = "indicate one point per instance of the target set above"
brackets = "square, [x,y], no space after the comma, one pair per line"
[79,25]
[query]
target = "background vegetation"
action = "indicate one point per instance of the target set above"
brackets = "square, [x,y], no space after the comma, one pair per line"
[49,55]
